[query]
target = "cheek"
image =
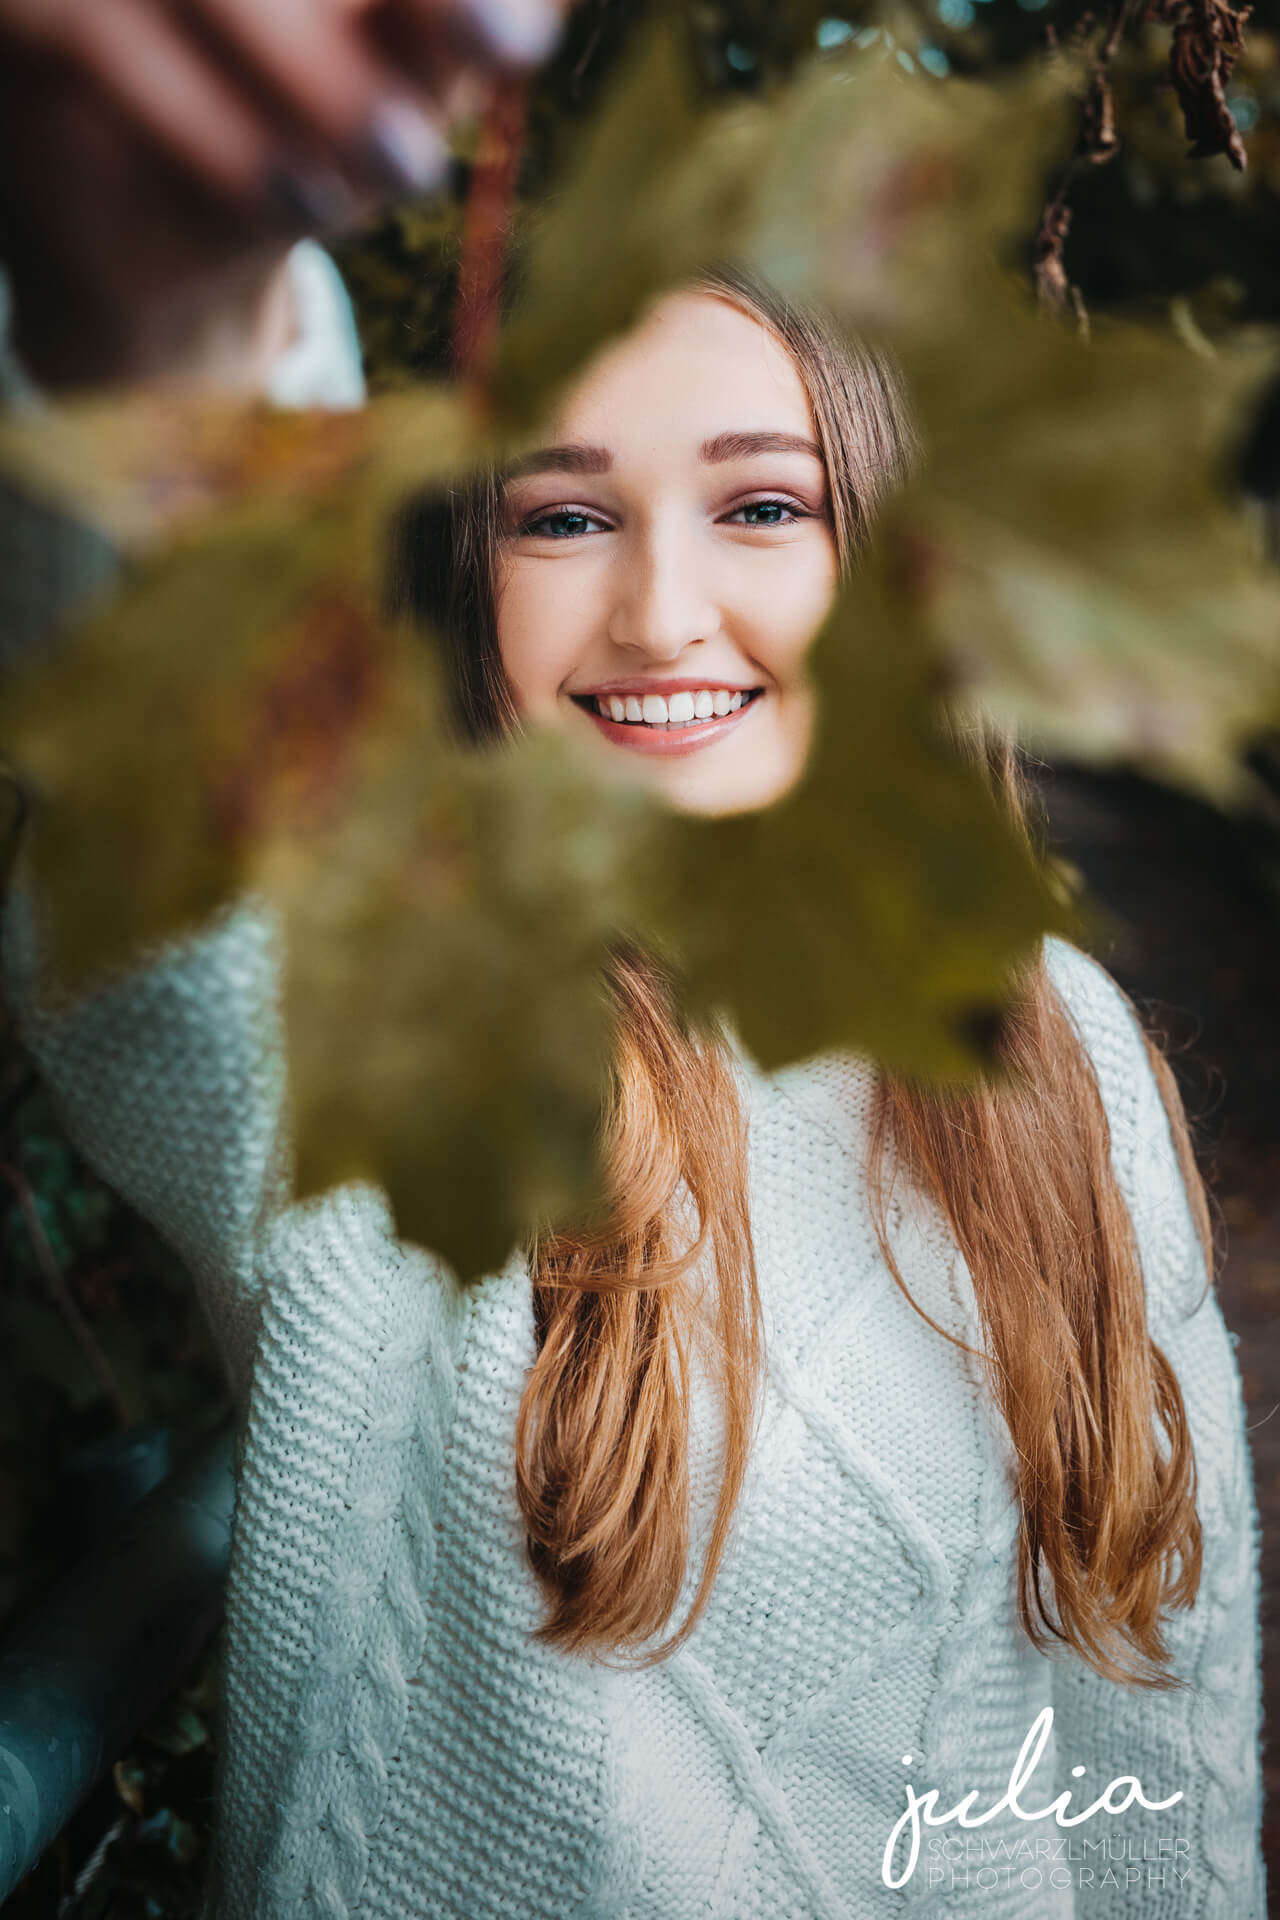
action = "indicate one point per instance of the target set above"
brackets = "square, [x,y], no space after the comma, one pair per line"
[538,624]
[788,604]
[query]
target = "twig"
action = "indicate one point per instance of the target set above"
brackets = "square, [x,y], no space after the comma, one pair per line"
[589,50]
[61,1294]
[485,230]
[1096,143]
[1208,39]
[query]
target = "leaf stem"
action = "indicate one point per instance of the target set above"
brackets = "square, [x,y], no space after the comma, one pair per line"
[486,225]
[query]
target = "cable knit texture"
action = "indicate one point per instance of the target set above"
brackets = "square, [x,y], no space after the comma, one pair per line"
[394,1743]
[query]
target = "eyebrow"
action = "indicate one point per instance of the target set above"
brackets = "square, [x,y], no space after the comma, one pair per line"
[566,459]
[575,458]
[739,446]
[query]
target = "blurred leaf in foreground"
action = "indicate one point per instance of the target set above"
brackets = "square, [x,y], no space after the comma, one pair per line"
[142,463]
[149,464]
[447,1025]
[222,687]
[881,905]
[600,246]
[241,717]
[212,691]
[447,936]
[852,185]
[1079,558]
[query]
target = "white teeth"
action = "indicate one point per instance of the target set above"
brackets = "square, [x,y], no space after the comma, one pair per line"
[675,710]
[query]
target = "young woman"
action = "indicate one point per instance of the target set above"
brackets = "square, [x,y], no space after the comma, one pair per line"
[881,1446]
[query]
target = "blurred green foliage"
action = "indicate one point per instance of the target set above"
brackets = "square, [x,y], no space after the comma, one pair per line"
[1067,559]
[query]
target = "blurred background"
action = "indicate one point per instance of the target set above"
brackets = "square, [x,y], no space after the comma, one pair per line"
[106,1371]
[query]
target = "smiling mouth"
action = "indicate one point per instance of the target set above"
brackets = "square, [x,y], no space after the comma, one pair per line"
[669,713]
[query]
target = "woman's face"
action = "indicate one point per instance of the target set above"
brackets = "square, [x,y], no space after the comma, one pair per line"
[665,563]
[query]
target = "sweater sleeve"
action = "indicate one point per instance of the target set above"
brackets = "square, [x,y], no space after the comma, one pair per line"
[1201,1739]
[171,1081]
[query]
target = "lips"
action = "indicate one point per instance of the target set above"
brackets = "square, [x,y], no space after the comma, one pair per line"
[681,718]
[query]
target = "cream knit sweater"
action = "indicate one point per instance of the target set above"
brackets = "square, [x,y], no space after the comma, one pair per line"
[394,1744]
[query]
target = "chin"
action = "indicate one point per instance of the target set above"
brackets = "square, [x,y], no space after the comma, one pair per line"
[710,793]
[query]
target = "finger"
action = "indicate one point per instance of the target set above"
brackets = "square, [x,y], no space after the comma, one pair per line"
[329,78]
[135,54]
[516,33]
[510,32]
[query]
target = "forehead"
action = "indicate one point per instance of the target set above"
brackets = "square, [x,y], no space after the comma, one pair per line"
[694,367]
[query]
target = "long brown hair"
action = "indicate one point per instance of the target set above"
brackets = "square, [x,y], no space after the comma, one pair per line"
[1020,1168]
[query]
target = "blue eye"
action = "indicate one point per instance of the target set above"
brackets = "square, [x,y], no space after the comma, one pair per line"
[766,513]
[562,525]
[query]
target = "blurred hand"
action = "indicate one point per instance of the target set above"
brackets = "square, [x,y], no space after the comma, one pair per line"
[161,156]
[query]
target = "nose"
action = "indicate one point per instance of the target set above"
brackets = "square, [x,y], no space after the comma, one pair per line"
[663,603]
